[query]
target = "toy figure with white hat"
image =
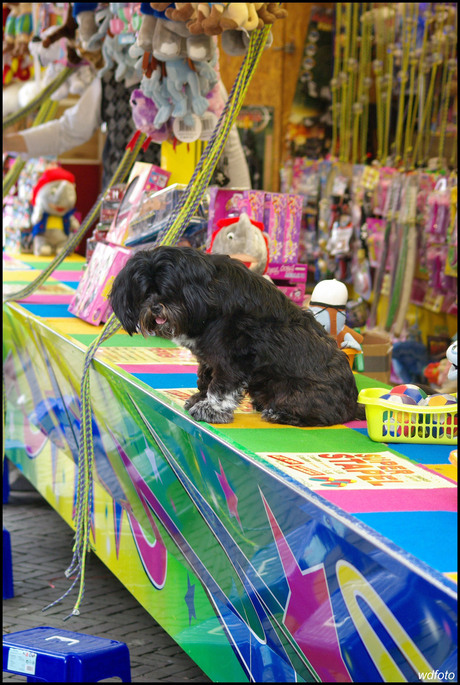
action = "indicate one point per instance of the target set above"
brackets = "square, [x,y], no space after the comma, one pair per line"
[328,305]
[53,199]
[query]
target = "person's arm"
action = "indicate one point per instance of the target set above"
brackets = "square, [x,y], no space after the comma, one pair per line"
[14,142]
[73,128]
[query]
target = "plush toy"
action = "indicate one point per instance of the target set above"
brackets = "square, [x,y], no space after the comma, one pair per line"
[53,200]
[243,239]
[84,15]
[117,54]
[182,11]
[165,87]
[328,301]
[144,111]
[451,355]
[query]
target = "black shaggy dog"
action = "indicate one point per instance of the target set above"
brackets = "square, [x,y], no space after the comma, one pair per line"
[246,334]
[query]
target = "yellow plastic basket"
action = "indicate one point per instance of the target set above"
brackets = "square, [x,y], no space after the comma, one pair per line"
[391,422]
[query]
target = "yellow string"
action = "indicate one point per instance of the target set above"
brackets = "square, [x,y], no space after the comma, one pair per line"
[335,82]
[407,43]
[413,60]
[345,85]
[389,90]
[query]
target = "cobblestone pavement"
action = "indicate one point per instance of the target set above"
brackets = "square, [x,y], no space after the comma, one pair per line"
[41,544]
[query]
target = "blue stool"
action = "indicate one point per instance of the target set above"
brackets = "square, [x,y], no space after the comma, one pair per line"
[8,588]
[53,655]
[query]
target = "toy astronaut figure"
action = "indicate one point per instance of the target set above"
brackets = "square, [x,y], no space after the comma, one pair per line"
[328,302]
[53,199]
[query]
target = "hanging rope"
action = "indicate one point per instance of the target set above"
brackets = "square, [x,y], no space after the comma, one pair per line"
[177,224]
[39,99]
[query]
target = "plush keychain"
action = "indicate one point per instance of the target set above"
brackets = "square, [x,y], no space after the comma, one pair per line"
[328,305]
[53,200]
[243,239]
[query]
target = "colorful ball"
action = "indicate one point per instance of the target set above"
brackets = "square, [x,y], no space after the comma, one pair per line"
[440,422]
[438,400]
[398,398]
[408,389]
[397,423]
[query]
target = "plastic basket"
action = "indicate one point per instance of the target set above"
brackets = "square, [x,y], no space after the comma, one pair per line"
[391,422]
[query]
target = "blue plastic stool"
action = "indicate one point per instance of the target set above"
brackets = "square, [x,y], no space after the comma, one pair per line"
[54,655]
[8,587]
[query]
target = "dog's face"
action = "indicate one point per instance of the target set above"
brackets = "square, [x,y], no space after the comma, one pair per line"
[164,291]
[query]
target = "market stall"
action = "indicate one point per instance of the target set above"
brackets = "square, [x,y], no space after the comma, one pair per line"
[269,553]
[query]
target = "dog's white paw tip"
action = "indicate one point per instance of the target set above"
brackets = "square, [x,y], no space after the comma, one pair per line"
[202,411]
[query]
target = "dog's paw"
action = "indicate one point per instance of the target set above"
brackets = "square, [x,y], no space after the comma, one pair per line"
[270,415]
[193,399]
[210,412]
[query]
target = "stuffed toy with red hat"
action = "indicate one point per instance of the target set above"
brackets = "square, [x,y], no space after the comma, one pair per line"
[53,200]
[242,238]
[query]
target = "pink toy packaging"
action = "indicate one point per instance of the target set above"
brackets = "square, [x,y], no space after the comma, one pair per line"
[292,229]
[90,302]
[290,279]
[254,204]
[223,204]
[274,219]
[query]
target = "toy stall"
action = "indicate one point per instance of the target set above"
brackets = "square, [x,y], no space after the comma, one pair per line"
[270,552]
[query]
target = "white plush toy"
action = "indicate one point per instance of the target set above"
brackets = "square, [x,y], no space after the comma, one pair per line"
[53,200]
[451,355]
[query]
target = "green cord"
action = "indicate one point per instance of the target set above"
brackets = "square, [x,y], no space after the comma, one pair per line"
[39,99]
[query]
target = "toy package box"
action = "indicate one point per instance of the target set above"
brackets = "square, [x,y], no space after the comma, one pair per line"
[292,225]
[223,204]
[90,302]
[144,178]
[274,221]
[280,213]
[291,279]
[154,210]
[377,352]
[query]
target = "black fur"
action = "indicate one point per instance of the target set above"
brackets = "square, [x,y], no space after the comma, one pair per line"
[246,334]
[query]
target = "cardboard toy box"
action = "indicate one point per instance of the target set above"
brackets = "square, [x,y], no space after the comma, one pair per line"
[290,279]
[377,350]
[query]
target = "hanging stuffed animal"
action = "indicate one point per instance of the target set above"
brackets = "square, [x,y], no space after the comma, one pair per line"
[144,111]
[242,238]
[53,200]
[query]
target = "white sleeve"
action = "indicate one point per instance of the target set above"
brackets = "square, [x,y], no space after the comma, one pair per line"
[237,169]
[73,128]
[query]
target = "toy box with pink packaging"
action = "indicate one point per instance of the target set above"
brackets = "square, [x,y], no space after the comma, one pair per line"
[274,222]
[223,204]
[290,279]
[292,223]
[90,302]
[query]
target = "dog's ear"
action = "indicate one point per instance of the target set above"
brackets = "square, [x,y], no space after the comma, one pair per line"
[196,284]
